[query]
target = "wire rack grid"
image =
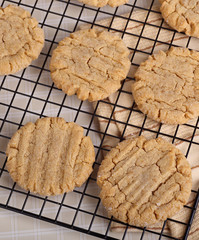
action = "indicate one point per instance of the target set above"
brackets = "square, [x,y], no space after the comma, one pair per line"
[30,94]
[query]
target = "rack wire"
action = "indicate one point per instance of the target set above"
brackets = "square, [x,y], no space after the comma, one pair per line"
[30,94]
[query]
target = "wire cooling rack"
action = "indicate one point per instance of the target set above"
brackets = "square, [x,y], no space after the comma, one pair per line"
[30,94]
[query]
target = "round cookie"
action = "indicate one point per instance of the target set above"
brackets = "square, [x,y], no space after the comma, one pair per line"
[167,86]
[89,63]
[50,156]
[182,15]
[102,3]
[144,181]
[21,39]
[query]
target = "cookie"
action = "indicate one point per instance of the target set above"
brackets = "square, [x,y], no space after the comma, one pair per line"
[182,15]
[144,181]
[21,39]
[167,86]
[89,63]
[102,3]
[50,156]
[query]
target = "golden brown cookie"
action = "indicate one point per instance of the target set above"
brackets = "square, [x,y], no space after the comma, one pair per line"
[167,86]
[89,63]
[21,40]
[182,15]
[144,181]
[50,156]
[102,3]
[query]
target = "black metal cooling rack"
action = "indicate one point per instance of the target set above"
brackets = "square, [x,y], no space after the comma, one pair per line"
[14,115]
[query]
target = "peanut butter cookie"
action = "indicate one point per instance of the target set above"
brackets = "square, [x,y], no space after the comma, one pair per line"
[89,63]
[144,181]
[50,156]
[182,15]
[167,86]
[102,3]
[21,40]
